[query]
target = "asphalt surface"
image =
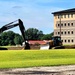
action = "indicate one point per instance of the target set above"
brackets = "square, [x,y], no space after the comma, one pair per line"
[56,70]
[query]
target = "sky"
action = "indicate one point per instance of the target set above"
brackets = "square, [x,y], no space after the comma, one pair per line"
[33,13]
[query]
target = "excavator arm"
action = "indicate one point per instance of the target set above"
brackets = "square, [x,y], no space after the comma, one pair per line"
[22,29]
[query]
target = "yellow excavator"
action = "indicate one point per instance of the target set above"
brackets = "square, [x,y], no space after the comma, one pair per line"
[22,29]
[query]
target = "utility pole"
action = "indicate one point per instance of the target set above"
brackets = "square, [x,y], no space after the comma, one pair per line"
[60,24]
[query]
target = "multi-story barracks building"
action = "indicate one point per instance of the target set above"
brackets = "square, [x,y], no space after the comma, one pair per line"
[64,25]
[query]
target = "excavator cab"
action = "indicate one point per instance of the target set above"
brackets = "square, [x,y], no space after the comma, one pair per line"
[57,40]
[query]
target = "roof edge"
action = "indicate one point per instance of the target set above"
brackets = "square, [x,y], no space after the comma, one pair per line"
[64,11]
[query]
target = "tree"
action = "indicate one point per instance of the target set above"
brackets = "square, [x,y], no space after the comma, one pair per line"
[10,38]
[18,39]
[7,38]
[33,34]
[3,39]
[47,36]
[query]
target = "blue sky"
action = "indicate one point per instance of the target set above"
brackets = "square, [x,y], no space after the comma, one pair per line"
[33,13]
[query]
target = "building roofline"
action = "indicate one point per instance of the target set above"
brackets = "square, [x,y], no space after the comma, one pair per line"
[64,11]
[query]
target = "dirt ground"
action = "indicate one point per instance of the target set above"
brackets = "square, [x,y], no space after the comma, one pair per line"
[36,47]
[56,70]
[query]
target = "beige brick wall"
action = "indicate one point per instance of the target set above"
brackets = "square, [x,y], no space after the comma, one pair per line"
[67,27]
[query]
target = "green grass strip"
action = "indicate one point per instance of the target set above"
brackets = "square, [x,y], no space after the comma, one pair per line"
[35,58]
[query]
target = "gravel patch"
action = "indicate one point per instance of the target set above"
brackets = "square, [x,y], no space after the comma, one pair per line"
[56,70]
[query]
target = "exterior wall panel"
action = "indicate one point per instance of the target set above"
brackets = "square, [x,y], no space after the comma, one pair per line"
[67,27]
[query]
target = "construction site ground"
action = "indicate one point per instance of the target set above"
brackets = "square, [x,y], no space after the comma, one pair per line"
[34,47]
[56,70]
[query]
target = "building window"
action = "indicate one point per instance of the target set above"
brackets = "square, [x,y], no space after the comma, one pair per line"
[65,41]
[65,24]
[72,40]
[65,16]
[62,40]
[71,24]
[71,15]
[68,32]
[71,32]
[68,40]
[58,33]
[61,24]
[61,16]
[68,24]
[61,32]
[58,25]
[65,32]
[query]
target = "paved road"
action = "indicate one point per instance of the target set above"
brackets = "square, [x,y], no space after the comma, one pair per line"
[57,70]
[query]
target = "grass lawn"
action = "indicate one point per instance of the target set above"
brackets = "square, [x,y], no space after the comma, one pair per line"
[33,58]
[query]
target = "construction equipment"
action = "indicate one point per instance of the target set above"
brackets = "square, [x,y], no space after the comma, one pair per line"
[55,42]
[22,29]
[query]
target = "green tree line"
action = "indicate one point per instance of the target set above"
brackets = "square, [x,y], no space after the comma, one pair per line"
[12,38]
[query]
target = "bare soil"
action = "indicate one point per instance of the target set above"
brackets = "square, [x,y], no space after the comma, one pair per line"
[38,47]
